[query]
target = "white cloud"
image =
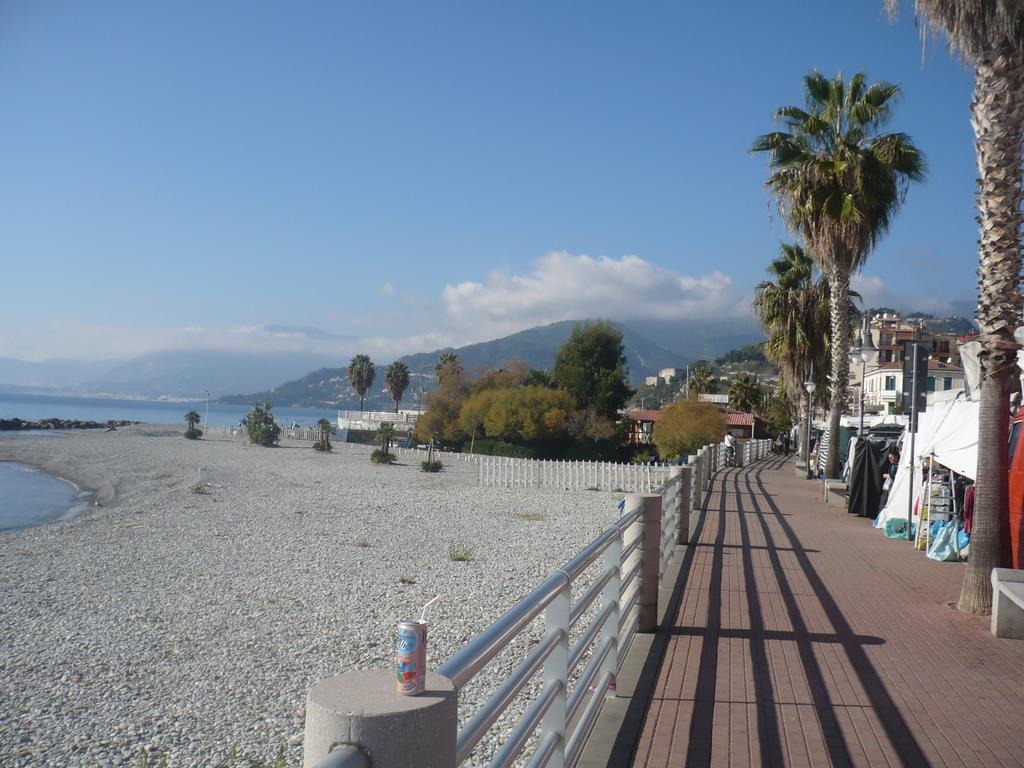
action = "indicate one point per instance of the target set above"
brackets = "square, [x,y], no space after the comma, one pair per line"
[563,286]
[875,292]
[387,289]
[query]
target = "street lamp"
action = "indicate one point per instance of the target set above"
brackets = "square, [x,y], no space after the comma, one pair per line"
[810,386]
[863,353]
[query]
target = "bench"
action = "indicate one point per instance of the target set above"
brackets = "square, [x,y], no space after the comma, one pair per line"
[835,493]
[1008,603]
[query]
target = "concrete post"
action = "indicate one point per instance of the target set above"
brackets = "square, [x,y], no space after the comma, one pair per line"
[681,475]
[362,708]
[650,559]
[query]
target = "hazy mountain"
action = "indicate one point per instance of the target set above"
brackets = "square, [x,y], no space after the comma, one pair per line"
[328,387]
[701,339]
[537,347]
[50,374]
[191,373]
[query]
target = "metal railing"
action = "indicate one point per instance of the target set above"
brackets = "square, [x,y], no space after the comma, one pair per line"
[627,564]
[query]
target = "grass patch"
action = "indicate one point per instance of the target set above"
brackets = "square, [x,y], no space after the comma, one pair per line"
[460,553]
[530,517]
[431,466]
[406,580]
[362,543]
[199,488]
[593,488]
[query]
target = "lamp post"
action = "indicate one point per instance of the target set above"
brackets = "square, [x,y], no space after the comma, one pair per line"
[863,353]
[206,419]
[810,386]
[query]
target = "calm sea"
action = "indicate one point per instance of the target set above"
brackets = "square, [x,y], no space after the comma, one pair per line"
[33,407]
[30,497]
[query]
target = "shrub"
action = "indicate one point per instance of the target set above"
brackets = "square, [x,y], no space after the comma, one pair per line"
[431,466]
[323,446]
[261,427]
[382,457]
[460,553]
[324,443]
[687,425]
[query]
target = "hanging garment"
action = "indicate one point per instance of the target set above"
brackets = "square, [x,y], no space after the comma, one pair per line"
[968,509]
[866,478]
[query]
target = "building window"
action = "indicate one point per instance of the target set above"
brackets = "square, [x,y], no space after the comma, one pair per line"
[890,383]
[931,383]
[948,382]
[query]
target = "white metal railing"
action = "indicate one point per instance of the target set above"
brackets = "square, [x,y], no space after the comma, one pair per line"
[504,472]
[618,553]
[620,599]
[374,419]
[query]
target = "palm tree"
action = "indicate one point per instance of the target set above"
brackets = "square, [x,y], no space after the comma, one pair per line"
[324,442]
[989,35]
[745,392]
[396,379]
[192,418]
[386,433]
[794,313]
[361,374]
[449,370]
[701,381]
[839,183]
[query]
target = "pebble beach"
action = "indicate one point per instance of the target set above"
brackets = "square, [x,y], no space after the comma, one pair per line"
[185,615]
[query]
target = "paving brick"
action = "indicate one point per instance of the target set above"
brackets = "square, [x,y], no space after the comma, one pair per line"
[803,637]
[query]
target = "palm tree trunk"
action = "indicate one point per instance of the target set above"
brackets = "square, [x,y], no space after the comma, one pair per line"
[805,425]
[839,289]
[997,115]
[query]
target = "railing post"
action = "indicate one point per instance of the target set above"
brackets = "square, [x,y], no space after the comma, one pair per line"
[610,596]
[363,709]
[650,559]
[556,670]
[682,476]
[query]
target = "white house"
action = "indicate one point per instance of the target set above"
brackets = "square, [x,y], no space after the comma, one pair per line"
[884,383]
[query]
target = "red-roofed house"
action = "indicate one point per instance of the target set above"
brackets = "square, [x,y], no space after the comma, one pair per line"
[743,425]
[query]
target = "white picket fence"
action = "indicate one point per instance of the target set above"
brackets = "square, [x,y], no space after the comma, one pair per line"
[500,471]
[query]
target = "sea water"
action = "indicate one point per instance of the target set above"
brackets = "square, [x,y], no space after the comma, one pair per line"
[29,496]
[35,407]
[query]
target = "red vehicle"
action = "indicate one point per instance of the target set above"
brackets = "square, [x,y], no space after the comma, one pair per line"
[1017,490]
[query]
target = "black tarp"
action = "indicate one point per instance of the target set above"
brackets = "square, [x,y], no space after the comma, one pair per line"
[865,486]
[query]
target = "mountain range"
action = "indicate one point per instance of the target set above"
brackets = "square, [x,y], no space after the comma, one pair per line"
[328,387]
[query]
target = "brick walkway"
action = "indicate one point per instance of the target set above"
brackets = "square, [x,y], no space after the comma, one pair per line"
[804,637]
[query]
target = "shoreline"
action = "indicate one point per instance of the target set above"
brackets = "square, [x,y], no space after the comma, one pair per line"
[82,500]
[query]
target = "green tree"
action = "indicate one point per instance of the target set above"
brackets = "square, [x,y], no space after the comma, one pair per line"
[361,374]
[839,183]
[687,425]
[385,434]
[538,377]
[396,379]
[261,427]
[745,393]
[989,35]
[591,366]
[192,418]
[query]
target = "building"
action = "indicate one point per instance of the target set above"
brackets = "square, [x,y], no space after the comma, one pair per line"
[718,399]
[884,383]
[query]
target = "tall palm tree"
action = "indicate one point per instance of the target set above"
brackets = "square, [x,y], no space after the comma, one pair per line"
[396,379]
[361,374]
[701,381]
[449,370]
[745,393]
[989,35]
[794,312]
[839,183]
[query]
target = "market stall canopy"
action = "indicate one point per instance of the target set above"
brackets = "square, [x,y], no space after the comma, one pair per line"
[947,432]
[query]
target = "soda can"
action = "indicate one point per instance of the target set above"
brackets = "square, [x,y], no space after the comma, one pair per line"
[411,657]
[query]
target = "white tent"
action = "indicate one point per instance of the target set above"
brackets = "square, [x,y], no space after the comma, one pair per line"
[947,432]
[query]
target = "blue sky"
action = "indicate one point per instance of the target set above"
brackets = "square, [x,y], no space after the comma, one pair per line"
[413,174]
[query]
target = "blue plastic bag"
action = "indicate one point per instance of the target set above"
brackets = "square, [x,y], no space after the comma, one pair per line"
[942,545]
